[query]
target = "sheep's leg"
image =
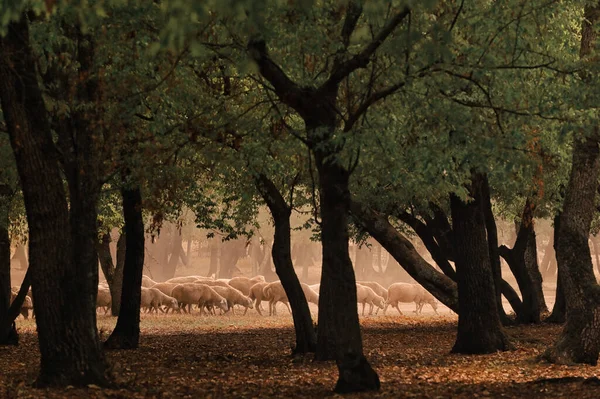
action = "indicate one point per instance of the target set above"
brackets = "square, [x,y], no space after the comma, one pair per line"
[288,307]
[385,308]
[363,309]
[371,309]
[257,306]
[245,311]
[397,308]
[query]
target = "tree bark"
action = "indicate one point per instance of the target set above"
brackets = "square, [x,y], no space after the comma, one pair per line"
[113,270]
[402,250]
[479,327]
[8,332]
[306,339]
[126,334]
[522,260]
[338,327]
[579,341]
[68,338]
[492,240]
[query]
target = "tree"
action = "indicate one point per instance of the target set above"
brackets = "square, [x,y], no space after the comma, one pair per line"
[69,345]
[476,293]
[126,334]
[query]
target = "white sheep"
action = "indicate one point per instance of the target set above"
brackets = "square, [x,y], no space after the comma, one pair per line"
[199,294]
[311,295]
[366,295]
[426,298]
[244,283]
[257,294]
[403,292]
[275,292]
[234,297]
[147,282]
[378,288]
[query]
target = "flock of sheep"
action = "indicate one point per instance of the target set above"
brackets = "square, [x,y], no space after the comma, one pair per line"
[179,294]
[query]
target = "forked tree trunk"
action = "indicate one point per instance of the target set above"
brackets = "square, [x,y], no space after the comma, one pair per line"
[479,327]
[8,332]
[306,339]
[126,334]
[522,260]
[68,338]
[338,334]
[579,341]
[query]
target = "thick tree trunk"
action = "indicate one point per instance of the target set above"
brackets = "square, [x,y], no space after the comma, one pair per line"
[306,339]
[126,334]
[116,292]
[68,338]
[579,341]
[8,332]
[402,250]
[338,334]
[594,240]
[479,327]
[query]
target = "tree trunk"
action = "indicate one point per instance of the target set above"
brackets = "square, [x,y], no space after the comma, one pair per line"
[306,339]
[338,334]
[126,334]
[175,251]
[479,327]
[215,246]
[549,256]
[68,338]
[559,311]
[522,260]
[117,291]
[402,250]
[492,240]
[579,341]
[8,332]
[594,240]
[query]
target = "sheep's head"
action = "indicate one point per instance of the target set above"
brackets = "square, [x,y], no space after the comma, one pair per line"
[173,304]
[379,301]
[223,305]
[249,303]
[434,304]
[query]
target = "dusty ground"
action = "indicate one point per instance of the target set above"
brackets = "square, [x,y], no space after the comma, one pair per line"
[248,356]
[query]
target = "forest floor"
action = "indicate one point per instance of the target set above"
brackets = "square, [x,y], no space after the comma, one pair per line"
[188,356]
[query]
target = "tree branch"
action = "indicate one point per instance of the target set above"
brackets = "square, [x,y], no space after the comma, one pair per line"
[361,60]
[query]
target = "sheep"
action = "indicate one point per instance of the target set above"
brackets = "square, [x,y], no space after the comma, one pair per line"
[182,280]
[152,300]
[234,297]
[212,283]
[310,295]
[244,283]
[426,297]
[103,299]
[403,292]
[256,293]
[276,293]
[200,294]
[378,288]
[366,295]
[27,302]
[147,281]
